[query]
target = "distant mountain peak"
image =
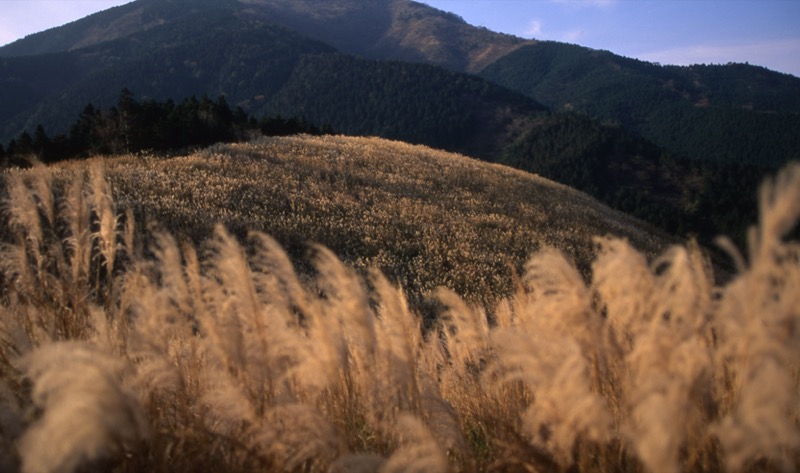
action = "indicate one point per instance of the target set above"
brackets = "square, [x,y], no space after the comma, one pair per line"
[385,29]
[390,29]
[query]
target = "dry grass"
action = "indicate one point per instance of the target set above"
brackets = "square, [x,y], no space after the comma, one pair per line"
[426,219]
[126,350]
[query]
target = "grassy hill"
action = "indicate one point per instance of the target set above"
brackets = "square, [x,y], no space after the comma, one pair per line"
[135,350]
[425,218]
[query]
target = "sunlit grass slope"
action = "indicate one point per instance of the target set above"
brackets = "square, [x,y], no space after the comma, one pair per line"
[126,349]
[425,218]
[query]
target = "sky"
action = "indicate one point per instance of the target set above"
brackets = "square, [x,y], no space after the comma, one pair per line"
[682,32]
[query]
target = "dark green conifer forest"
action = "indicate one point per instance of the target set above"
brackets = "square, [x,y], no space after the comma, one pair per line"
[134,126]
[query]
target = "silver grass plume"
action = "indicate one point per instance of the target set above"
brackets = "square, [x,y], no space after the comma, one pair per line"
[305,349]
[230,292]
[297,437]
[86,414]
[161,338]
[347,301]
[466,333]
[395,363]
[22,261]
[624,282]
[670,356]
[418,451]
[77,214]
[760,336]
[106,213]
[547,350]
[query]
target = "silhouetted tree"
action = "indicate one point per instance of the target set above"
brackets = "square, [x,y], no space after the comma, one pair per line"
[41,144]
[83,138]
[25,144]
[128,111]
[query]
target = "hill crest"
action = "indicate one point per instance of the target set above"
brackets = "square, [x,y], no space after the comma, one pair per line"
[425,218]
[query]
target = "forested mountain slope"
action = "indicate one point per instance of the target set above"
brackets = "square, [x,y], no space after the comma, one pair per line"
[411,102]
[244,60]
[735,113]
[112,24]
[381,29]
[265,69]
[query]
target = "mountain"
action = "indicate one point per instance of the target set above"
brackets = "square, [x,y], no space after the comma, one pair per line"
[703,199]
[683,148]
[267,69]
[155,52]
[241,59]
[410,102]
[378,29]
[735,113]
[391,29]
[107,25]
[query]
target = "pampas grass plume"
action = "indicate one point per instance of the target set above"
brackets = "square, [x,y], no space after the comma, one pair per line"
[86,414]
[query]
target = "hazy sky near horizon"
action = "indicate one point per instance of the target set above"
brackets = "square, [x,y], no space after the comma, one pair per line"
[761,32]
[682,32]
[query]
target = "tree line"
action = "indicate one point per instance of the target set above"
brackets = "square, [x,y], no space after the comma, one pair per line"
[133,126]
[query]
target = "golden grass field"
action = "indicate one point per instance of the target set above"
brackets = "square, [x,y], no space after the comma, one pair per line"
[424,218]
[567,337]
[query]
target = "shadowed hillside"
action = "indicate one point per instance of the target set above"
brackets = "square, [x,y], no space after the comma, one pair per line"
[244,60]
[396,29]
[735,113]
[392,29]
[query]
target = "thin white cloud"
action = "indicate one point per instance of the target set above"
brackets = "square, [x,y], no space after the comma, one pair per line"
[782,55]
[534,28]
[572,36]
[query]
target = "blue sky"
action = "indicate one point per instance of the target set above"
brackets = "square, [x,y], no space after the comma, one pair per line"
[762,32]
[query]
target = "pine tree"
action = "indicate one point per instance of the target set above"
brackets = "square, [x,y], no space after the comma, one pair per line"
[41,144]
